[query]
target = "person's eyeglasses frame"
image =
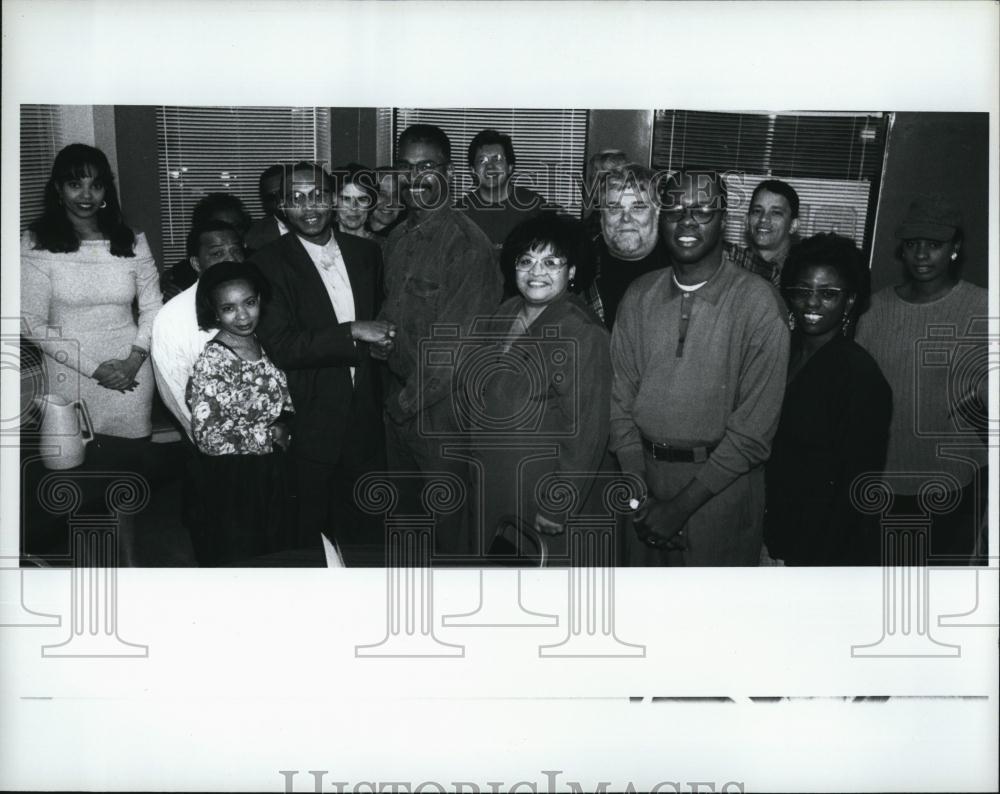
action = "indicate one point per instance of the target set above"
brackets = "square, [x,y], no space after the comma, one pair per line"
[550,264]
[415,169]
[700,215]
[485,160]
[827,295]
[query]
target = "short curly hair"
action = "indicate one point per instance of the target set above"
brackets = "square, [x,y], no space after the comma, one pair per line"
[548,228]
[836,252]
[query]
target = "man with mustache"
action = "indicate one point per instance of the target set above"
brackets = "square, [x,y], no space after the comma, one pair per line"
[628,245]
[317,326]
[699,352]
[772,220]
[440,270]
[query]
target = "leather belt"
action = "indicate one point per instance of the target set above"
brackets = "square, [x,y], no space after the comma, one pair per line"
[670,454]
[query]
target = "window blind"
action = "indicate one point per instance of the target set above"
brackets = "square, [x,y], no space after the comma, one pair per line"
[833,160]
[41,140]
[224,149]
[549,145]
[384,139]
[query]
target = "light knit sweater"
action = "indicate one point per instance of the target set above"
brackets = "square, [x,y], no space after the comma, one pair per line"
[78,307]
[933,354]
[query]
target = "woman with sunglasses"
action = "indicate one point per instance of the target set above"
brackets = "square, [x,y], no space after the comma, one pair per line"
[835,417]
[537,391]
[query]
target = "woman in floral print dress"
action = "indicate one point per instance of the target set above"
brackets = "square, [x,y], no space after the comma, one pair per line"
[237,398]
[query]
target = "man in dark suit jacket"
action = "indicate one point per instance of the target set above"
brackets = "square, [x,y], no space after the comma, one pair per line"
[317,325]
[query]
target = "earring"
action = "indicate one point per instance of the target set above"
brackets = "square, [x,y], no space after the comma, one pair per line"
[572,283]
[845,326]
[791,321]
[104,204]
[954,255]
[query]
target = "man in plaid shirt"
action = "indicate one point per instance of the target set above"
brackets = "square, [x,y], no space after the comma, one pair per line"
[772,219]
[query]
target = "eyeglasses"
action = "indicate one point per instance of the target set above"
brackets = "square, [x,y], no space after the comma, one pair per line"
[825,294]
[417,168]
[550,263]
[311,199]
[499,159]
[700,214]
[639,210]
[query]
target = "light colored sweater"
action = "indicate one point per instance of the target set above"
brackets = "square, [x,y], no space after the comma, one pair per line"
[933,355]
[78,308]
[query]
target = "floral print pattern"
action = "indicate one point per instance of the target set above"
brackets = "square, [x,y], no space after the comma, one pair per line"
[234,402]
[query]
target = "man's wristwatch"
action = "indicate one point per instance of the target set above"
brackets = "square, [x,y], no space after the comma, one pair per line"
[143,354]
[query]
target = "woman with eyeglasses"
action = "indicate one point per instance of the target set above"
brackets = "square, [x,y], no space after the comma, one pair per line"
[929,336]
[537,390]
[835,417]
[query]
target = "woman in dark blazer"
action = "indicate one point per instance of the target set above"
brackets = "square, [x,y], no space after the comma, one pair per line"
[536,391]
[834,421]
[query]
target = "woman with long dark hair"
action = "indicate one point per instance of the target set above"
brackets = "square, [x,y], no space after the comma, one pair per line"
[82,267]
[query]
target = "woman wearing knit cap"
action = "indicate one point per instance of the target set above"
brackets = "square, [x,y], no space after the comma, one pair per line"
[928,335]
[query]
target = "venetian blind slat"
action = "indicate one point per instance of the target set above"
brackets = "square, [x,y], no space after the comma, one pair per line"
[41,140]
[831,159]
[224,149]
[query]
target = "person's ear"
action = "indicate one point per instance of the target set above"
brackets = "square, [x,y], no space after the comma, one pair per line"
[851,299]
[195,264]
[793,227]
[571,273]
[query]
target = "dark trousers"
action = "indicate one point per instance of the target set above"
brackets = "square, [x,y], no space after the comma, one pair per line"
[417,450]
[326,504]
